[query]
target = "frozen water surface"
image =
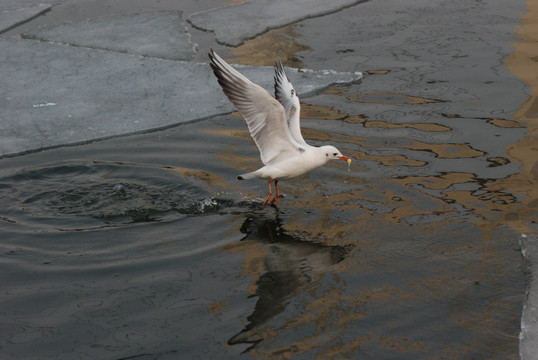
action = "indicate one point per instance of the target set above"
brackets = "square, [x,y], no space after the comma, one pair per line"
[95,94]
[529,321]
[160,34]
[236,23]
[14,17]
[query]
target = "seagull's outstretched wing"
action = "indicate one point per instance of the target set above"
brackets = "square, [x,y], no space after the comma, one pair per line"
[286,94]
[265,116]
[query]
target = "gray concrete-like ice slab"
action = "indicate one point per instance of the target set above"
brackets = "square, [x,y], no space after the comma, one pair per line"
[236,23]
[12,18]
[159,34]
[528,345]
[54,94]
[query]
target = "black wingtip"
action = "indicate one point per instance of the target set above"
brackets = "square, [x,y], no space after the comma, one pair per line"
[240,178]
[279,68]
[280,74]
[212,56]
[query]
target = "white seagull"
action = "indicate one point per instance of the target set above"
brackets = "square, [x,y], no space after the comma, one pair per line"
[274,125]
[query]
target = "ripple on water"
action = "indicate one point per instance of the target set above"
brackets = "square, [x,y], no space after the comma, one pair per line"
[91,195]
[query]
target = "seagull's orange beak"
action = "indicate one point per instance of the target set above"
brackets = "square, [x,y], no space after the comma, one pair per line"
[343,157]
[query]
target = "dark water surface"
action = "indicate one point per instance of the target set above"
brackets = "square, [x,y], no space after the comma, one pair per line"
[146,247]
[146,244]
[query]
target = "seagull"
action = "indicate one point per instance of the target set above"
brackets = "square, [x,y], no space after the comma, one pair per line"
[274,124]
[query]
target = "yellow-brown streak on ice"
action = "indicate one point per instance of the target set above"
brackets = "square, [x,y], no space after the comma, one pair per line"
[321,112]
[234,2]
[331,232]
[341,90]
[523,62]
[388,160]
[275,44]
[418,126]
[217,307]
[324,112]
[377,72]
[483,205]
[497,161]
[503,123]
[355,119]
[310,194]
[486,207]
[319,135]
[447,151]
[439,182]
[389,98]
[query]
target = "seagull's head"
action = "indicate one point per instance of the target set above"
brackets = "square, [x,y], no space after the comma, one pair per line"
[332,153]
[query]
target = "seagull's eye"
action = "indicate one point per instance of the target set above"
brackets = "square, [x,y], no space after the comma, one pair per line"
[327,155]
[335,154]
[292,92]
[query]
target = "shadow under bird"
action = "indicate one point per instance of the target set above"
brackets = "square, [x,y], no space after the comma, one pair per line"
[274,124]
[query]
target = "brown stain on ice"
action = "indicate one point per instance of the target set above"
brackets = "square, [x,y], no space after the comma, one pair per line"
[503,123]
[523,63]
[392,98]
[235,2]
[421,127]
[264,50]
[217,307]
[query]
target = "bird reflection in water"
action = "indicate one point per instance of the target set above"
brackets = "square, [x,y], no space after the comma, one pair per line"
[290,264]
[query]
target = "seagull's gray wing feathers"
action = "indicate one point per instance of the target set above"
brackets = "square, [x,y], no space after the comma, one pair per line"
[286,94]
[265,116]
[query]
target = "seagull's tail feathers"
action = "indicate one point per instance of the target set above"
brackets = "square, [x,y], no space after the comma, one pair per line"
[248,176]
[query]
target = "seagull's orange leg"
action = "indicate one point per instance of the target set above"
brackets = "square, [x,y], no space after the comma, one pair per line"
[277,193]
[270,193]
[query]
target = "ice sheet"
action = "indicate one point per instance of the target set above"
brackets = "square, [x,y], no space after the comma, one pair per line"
[236,23]
[12,18]
[54,94]
[528,345]
[159,34]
